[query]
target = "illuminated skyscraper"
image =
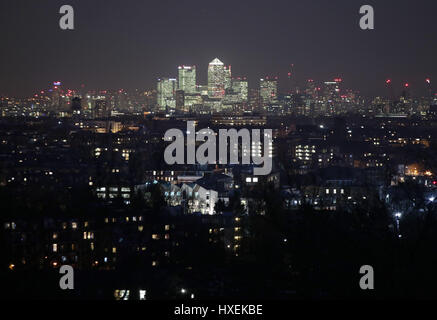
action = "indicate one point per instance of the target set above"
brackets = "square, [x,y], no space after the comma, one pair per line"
[331,96]
[240,87]
[219,78]
[56,95]
[228,77]
[167,93]
[311,90]
[187,79]
[268,90]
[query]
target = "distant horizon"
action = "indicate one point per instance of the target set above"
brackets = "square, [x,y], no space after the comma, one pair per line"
[416,89]
[129,44]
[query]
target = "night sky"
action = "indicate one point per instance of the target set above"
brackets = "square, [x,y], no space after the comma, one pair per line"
[128,44]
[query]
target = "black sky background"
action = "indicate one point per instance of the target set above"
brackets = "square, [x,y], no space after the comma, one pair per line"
[130,43]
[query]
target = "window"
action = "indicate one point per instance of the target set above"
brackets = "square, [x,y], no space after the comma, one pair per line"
[121,294]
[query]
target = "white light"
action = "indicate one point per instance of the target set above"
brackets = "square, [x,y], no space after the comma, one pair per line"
[432,199]
[183,291]
[398,215]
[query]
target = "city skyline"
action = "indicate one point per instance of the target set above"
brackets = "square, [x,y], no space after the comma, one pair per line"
[419,88]
[136,46]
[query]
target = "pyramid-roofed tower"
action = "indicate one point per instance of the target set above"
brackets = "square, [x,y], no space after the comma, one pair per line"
[216,62]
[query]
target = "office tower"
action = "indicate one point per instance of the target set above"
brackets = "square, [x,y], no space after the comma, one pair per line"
[187,79]
[217,78]
[331,96]
[268,90]
[228,77]
[180,100]
[101,109]
[241,88]
[332,89]
[311,90]
[56,92]
[167,93]
[121,100]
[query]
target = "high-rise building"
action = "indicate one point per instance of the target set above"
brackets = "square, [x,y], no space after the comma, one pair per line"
[311,89]
[219,78]
[268,90]
[228,78]
[331,96]
[240,86]
[180,100]
[101,109]
[187,79]
[56,95]
[167,93]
